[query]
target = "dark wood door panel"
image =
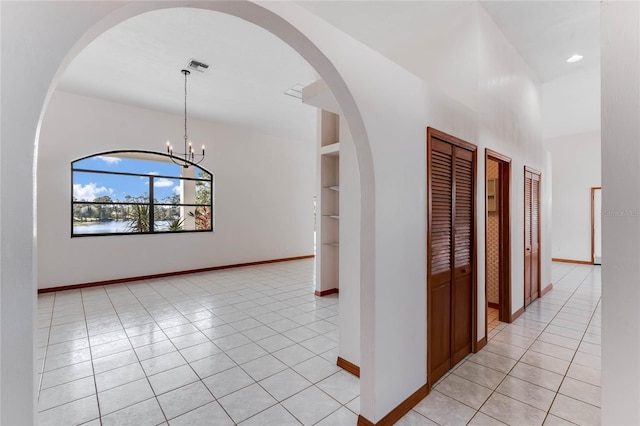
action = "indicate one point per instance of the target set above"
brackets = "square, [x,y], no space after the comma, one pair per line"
[531,236]
[462,270]
[535,276]
[439,279]
[450,244]
[535,236]
[438,145]
[440,191]
[463,206]
[527,277]
[439,331]
[461,316]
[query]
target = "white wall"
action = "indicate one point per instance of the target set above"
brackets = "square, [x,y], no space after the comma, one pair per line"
[478,67]
[510,122]
[576,169]
[620,32]
[571,131]
[264,189]
[571,104]
[442,53]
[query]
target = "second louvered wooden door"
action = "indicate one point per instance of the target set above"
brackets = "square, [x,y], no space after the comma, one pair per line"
[450,263]
[531,235]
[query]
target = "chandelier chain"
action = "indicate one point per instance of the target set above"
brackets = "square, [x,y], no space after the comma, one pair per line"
[189,156]
[186,73]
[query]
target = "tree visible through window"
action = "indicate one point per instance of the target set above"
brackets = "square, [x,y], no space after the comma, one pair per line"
[137,192]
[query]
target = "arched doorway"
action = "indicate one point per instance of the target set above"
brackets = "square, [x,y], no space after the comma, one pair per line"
[35,87]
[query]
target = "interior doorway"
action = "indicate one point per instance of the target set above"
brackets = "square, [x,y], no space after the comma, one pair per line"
[497,238]
[596,225]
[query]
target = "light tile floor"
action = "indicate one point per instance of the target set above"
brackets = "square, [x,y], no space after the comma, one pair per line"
[544,368]
[247,346]
[254,346]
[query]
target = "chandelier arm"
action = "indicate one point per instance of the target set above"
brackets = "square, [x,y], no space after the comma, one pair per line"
[173,158]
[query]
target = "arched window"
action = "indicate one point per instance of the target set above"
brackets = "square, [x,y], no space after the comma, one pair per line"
[139,192]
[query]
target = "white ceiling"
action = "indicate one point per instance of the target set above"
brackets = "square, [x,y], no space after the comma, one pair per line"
[138,62]
[382,24]
[547,33]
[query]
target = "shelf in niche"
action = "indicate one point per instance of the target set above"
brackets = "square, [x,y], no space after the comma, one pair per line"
[331,244]
[331,149]
[333,187]
[333,216]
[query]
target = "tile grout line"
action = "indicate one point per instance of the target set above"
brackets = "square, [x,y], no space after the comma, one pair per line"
[46,349]
[95,385]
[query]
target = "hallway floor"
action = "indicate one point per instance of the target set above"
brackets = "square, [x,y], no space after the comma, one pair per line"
[544,368]
[254,346]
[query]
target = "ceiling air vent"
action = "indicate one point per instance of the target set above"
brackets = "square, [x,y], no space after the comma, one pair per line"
[197,65]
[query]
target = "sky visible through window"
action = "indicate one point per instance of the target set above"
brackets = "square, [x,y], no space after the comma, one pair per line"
[89,186]
[112,195]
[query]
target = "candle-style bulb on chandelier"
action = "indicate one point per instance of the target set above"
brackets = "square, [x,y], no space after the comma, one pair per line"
[189,156]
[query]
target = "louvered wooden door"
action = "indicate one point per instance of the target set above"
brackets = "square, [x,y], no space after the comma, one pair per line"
[531,236]
[463,250]
[440,260]
[451,177]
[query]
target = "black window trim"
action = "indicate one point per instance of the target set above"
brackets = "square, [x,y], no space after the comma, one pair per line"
[150,203]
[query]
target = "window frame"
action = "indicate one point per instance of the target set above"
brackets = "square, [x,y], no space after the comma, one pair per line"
[150,203]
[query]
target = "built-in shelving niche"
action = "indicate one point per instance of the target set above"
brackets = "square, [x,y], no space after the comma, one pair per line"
[329,152]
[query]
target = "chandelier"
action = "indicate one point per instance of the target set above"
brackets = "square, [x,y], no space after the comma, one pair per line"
[188,157]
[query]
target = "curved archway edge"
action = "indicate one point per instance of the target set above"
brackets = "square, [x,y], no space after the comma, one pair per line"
[292,24]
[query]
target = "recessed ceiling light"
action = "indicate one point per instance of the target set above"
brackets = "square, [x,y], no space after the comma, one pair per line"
[575,58]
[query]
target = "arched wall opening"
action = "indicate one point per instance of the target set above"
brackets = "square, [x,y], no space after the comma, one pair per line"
[17,407]
[276,23]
